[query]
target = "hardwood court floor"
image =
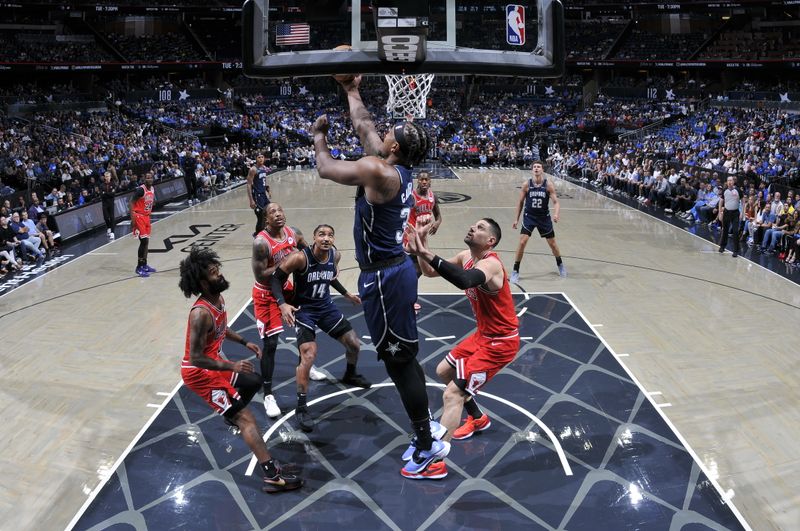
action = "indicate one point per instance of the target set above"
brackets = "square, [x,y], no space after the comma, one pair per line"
[89,346]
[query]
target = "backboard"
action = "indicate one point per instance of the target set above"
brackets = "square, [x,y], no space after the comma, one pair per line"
[295,38]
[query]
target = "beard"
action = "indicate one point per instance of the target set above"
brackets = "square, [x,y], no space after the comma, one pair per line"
[220,285]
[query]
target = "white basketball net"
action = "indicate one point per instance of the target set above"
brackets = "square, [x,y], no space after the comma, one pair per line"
[408,95]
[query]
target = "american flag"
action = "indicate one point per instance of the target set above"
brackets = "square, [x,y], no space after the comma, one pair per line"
[288,34]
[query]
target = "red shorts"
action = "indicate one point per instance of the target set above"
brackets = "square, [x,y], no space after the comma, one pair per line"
[478,358]
[141,225]
[268,315]
[215,387]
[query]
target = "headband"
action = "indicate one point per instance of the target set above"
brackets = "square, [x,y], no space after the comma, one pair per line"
[400,137]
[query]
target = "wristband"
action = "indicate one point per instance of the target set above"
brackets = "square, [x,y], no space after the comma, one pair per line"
[243,341]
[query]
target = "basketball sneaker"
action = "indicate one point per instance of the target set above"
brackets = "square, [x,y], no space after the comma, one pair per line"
[281,482]
[471,426]
[150,269]
[514,277]
[420,460]
[317,375]
[356,380]
[437,432]
[271,406]
[562,271]
[304,420]
[436,470]
[142,272]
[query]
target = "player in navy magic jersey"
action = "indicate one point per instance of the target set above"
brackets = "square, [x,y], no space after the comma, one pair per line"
[315,269]
[388,282]
[258,191]
[535,197]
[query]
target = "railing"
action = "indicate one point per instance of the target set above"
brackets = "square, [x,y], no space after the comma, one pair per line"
[639,134]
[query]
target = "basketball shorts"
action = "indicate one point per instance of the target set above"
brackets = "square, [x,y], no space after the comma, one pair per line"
[388,296]
[215,387]
[140,224]
[544,224]
[478,358]
[328,318]
[267,313]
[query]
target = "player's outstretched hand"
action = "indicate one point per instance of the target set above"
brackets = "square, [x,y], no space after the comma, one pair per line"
[243,366]
[352,297]
[320,125]
[425,226]
[255,348]
[287,313]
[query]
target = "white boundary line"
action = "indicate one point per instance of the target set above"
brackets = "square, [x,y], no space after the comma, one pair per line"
[135,440]
[682,231]
[725,497]
[439,338]
[138,436]
[561,455]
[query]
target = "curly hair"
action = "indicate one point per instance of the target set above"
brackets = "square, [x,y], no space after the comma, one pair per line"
[194,269]
[417,143]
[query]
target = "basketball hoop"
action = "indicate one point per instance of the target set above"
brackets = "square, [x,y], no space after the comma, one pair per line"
[408,95]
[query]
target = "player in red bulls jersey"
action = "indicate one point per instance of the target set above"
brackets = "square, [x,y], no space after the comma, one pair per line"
[425,203]
[141,205]
[270,247]
[226,386]
[425,206]
[495,343]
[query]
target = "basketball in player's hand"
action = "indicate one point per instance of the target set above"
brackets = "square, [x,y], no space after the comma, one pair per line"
[344,79]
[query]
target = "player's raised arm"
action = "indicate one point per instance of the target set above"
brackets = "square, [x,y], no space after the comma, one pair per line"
[362,121]
[368,171]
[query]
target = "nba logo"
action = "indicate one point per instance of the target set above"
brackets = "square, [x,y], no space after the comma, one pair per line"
[515,24]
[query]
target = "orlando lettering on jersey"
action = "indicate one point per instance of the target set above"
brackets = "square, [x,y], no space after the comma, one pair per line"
[314,276]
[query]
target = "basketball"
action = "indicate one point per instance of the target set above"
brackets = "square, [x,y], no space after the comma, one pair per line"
[344,78]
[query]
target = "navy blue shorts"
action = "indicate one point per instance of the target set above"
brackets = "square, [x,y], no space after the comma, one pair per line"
[388,296]
[541,223]
[328,318]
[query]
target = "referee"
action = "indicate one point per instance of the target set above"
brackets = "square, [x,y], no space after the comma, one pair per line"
[728,216]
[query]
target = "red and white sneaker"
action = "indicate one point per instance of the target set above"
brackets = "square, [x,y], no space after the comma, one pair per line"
[436,470]
[471,426]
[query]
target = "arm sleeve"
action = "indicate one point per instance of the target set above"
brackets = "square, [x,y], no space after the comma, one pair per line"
[460,278]
[335,284]
[276,282]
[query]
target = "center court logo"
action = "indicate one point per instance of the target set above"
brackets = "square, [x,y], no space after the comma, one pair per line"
[452,197]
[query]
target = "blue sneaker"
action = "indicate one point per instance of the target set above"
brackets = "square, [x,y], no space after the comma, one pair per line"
[422,458]
[437,432]
[149,269]
[562,270]
[514,277]
[142,272]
